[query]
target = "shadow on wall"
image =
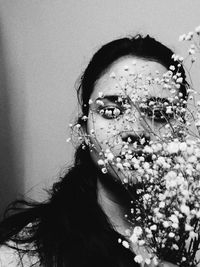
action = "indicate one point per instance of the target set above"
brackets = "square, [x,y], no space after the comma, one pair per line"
[9,184]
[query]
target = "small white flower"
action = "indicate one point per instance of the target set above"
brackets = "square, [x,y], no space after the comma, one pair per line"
[183,146]
[174,218]
[172,67]
[193,234]
[146,197]
[192,159]
[173,147]
[100,102]
[197,123]
[180,59]
[146,165]
[127,165]
[84,118]
[125,180]
[110,156]
[100,162]
[148,149]
[175,247]
[191,51]
[134,238]
[141,242]
[182,37]
[170,179]
[175,225]
[189,36]
[119,166]
[125,244]
[78,126]
[153,227]
[185,209]
[188,228]
[190,150]
[179,80]
[90,101]
[148,261]
[162,204]
[104,170]
[166,224]
[100,94]
[137,230]
[138,259]
[171,234]
[169,110]
[92,131]
[155,261]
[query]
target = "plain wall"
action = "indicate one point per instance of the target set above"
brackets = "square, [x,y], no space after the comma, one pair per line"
[44,47]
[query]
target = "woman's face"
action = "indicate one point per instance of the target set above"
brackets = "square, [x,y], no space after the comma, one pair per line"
[128,109]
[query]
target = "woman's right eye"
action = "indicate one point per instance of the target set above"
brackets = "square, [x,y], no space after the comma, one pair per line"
[110,112]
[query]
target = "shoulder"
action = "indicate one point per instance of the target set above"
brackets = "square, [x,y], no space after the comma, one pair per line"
[14,255]
[8,257]
[11,257]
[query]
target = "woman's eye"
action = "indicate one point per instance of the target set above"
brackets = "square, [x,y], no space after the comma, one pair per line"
[158,110]
[159,115]
[110,112]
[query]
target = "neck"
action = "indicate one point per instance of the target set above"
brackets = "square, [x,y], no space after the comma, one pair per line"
[114,206]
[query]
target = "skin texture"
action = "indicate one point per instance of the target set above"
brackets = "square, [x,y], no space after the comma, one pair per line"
[106,132]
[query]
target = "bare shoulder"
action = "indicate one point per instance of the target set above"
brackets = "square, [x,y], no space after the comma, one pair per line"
[10,257]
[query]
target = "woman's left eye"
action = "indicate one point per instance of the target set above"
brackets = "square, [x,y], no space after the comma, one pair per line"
[110,112]
[161,116]
[159,113]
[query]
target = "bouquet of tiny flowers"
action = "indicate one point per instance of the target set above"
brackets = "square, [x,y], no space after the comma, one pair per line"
[166,210]
[166,213]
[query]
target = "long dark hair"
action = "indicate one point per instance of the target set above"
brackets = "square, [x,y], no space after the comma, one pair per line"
[70,228]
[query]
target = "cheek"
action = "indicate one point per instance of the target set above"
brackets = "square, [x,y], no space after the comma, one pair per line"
[104,133]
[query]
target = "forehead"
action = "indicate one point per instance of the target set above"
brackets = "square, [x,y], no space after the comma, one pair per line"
[129,75]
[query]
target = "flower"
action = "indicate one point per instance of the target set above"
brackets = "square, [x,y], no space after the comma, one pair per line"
[138,259]
[125,244]
[182,37]
[173,147]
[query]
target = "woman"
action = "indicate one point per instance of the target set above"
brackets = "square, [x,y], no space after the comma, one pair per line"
[84,223]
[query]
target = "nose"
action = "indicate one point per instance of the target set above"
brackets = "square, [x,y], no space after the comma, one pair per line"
[134,129]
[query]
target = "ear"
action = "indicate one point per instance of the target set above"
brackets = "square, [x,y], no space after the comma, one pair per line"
[85,133]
